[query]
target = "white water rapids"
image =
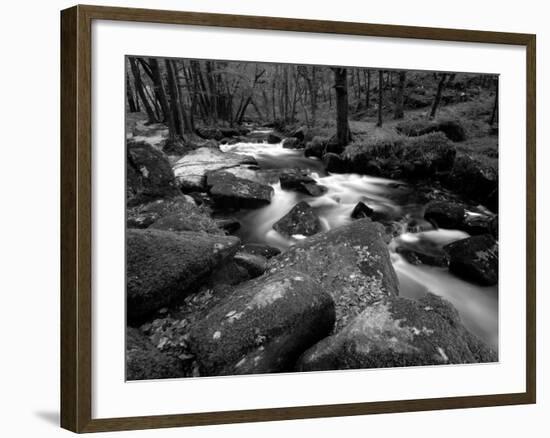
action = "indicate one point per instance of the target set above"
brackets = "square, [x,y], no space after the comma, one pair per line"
[478,306]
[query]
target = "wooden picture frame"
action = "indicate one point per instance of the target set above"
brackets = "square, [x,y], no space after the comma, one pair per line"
[76,218]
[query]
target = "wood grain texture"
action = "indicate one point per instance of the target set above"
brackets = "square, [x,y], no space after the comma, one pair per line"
[76,223]
[69,329]
[531,217]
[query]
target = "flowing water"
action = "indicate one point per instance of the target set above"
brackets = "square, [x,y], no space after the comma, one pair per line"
[478,306]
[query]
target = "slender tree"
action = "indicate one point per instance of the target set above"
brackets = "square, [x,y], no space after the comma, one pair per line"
[343,134]
[138,85]
[439,92]
[494,113]
[212,89]
[130,95]
[176,107]
[367,88]
[160,92]
[400,96]
[380,97]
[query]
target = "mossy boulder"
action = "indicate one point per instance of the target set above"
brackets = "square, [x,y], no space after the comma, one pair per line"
[475,259]
[254,264]
[293,143]
[229,191]
[190,220]
[273,138]
[211,133]
[399,332]
[260,249]
[423,252]
[352,263]
[175,214]
[163,265]
[315,147]
[191,169]
[300,220]
[445,214]
[453,129]
[475,179]
[412,158]
[300,133]
[361,210]
[148,174]
[143,215]
[334,163]
[431,153]
[144,361]
[263,326]
[301,181]
[478,224]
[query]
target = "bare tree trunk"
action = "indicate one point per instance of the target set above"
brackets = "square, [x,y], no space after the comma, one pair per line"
[140,90]
[257,109]
[494,114]
[438,94]
[200,90]
[313,95]
[294,97]
[286,93]
[159,87]
[341,87]
[380,97]
[159,90]
[367,89]
[358,88]
[400,96]
[192,96]
[130,96]
[175,104]
[212,90]
[187,123]
[273,103]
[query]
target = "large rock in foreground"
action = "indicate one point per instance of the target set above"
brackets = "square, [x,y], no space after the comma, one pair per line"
[229,191]
[300,220]
[144,361]
[475,259]
[263,326]
[148,174]
[351,262]
[163,265]
[399,332]
[191,169]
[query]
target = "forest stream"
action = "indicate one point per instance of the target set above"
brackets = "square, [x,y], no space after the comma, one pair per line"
[478,306]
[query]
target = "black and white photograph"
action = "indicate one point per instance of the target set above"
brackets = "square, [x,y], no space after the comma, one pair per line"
[286,218]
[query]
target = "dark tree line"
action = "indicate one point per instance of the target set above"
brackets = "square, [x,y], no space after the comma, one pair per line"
[186,94]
